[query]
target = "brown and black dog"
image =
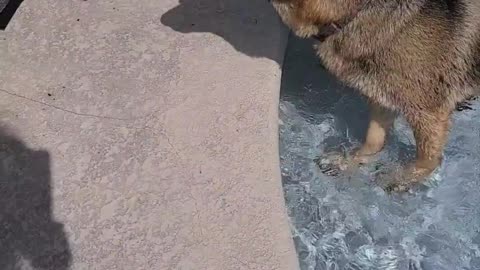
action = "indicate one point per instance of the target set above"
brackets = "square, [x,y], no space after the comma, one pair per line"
[419,58]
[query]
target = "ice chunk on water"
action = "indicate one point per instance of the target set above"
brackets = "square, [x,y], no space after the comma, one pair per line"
[349,222]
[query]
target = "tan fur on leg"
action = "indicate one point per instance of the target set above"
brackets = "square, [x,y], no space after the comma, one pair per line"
[381,120]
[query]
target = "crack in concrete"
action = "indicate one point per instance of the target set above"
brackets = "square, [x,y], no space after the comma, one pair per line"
[74,112]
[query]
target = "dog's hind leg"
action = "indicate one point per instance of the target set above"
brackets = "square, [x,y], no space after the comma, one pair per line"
[431,133]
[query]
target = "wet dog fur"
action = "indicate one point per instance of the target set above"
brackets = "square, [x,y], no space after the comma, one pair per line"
[420,58]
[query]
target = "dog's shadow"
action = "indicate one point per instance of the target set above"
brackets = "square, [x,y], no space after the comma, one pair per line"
[315,93]
[29,235]
[245,24]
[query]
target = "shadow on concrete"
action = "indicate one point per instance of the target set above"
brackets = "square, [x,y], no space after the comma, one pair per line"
[245,24]
[28,233]
[7,10]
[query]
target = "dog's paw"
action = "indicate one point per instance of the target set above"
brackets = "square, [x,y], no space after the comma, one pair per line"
[333,164]
[398,187]
[466,104]
[404,180]
[328,169]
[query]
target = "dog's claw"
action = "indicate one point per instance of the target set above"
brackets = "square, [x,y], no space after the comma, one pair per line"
[330,171]
[397,187]
[327,168]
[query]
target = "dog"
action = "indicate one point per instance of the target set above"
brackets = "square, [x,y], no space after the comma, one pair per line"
[419,58]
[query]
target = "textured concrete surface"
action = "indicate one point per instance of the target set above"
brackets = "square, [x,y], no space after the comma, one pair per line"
[141,135]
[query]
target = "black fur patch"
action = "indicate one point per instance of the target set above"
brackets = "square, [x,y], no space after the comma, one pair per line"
[455,8]
[453,11]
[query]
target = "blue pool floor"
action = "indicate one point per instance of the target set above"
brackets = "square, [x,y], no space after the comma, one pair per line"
[348,221]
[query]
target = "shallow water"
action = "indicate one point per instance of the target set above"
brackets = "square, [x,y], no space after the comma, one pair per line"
[348,221]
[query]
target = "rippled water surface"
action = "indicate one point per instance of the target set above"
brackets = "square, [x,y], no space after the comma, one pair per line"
[348,222]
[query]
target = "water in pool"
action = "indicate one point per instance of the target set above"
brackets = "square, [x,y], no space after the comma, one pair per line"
[348,221]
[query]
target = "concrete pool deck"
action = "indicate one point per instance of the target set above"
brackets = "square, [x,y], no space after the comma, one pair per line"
[150,132]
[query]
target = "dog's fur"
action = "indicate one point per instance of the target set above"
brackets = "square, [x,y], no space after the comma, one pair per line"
[416,57]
